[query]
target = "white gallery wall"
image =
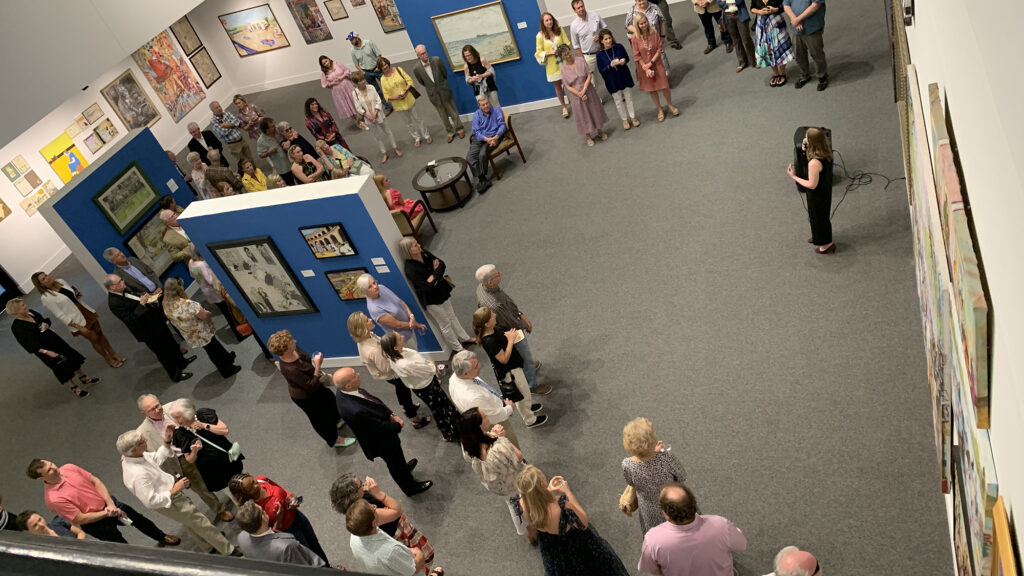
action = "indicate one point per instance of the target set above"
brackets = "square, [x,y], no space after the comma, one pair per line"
[968,52]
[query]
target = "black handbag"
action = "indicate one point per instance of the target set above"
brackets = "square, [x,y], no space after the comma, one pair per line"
[509,389]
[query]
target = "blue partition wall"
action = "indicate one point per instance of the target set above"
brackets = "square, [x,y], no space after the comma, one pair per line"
[90,225]
[519,81]
[325,331]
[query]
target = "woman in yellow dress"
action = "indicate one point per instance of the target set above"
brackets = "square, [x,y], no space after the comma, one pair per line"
[397,87]
[550,37]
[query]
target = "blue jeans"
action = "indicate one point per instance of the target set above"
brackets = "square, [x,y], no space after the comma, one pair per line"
[529,368]
[709,20]
[373,79]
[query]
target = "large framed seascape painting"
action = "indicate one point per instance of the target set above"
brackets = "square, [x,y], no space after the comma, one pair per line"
[486,27]
[186,35]
[147,244]
[126,198]
[327,241]
[254,30]
[171,78]
[130,102]
[310,20]
[387,13]
[269,286]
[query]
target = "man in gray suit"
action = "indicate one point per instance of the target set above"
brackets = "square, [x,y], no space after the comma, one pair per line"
[139,277]
[260,542]
[433,75]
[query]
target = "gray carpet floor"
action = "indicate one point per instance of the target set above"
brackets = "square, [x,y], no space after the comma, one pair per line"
[667,275]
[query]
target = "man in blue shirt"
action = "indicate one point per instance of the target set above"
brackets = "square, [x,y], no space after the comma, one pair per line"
[488,130]
[808,20]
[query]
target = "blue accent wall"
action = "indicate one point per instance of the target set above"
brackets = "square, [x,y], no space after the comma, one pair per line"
[325,331]
[519,81]
[91,226]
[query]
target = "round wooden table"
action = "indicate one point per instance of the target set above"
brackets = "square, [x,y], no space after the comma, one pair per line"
[444,186]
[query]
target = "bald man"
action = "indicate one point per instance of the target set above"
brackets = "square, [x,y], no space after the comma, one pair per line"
[376,427]
[689,543]
[792,561]
[433,75]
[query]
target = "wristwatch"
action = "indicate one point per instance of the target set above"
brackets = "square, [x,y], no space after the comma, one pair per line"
[207,426]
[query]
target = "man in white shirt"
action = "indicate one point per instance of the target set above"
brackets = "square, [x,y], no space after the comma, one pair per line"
[154,424]
[468,391]
[158,490]
[380,553]
[583,34]
[260,542]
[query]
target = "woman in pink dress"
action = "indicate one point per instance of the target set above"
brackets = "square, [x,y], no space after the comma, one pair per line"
[586,105]
[335,75]
[394,199]
[650,68]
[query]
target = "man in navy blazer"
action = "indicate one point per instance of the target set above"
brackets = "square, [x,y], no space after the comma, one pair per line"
[376,427]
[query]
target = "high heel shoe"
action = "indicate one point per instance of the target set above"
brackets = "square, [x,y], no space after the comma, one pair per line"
[831,248]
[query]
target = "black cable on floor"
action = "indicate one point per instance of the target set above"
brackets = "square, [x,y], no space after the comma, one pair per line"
[858,179]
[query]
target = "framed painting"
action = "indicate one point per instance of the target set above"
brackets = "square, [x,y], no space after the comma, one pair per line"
[259,272]
[74,129]
[147,244]
[358,3]
[344,283]
[11,172]
[387,13]
[32,203]
[106,131]
[23,187]
[5,211]
[327,241]
[254,30]
[93,142]
[310,20]
[186,36]
[93,113]
[32,179]
[171,79]
[336,9]
[130,102]
[64,157]
[486,27]
[1003,561]
[207,70]
[20,163]
[51,189]
[126,198]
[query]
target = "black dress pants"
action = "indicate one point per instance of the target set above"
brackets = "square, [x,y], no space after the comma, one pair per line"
[108,529]
[322,410]
[220,357]
[398,467]
[404,397]
[819,204]
[477,158]
[167,352]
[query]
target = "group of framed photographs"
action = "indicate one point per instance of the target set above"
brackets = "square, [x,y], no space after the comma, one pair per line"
[267,283]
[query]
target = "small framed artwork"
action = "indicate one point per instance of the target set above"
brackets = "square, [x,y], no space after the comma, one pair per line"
[130,102]
[388,15]
[344,283]
[50,188]
[126,198]
[258,270]
[328,241]
[336,9]
[5,211]
[33,180]
[24,188]
[93,113]
[74,129]
[186,36]
[147,244]
[93,142]
[207,70]
[11,172]
[358,3]
[106,131]
[310,20]
[20,163]
[254,30]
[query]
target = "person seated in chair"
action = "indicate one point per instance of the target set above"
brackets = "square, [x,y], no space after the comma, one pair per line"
[488,129]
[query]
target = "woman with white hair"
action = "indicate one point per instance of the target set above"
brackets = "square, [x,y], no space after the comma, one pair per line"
[32,331]
[196,327]
[203,186]
[420,375]
[434,291]
[201,437]
[648,469]
[388,310]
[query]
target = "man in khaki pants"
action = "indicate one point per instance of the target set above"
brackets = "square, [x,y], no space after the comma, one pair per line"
[159,491]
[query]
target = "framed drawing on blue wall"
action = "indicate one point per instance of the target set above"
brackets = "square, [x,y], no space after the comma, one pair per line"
[266,282]
[126,198]
[485,26]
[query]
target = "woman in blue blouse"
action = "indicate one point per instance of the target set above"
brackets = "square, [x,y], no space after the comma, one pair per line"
[611,62]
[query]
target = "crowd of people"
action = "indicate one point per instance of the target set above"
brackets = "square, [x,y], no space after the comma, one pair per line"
[180,447]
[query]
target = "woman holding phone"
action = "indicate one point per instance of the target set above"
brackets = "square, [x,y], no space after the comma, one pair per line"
[507,363]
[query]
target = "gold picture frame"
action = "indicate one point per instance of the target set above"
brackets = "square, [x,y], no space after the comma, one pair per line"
[1003,561]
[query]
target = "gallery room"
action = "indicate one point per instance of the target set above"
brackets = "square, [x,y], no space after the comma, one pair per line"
[355,283]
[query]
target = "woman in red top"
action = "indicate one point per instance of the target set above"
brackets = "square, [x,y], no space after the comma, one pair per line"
[281,506]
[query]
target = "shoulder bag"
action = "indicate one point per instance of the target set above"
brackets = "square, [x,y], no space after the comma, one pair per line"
[628,502]
[509,389]
[234,453]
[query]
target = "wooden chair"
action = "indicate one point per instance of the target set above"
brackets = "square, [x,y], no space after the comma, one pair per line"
[505,146]
[411,226]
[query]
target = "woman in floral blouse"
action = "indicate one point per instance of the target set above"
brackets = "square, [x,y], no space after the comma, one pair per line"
[495,460]
[196,327]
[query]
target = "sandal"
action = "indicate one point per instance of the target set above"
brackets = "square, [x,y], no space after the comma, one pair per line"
[420,421]
[782,80]
[384,159]
[774,81]
[398,152]
[565,112]
[86,381]
[590,141]
[602,135]
[625,125]
[78,391]
[661,115]
[635,122]
[673,110]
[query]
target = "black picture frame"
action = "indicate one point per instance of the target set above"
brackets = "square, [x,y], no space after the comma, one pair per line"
[260,273]
[205,67]
[343,282]
[186,35]
[315,240]
[142,198]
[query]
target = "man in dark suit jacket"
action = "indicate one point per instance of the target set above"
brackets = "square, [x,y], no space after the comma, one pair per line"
[376,428]
[202,142]
[145,319]
[139,277]
[433,75]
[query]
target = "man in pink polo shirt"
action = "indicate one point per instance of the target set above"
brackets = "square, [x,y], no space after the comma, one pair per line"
[689,544]
[82,499]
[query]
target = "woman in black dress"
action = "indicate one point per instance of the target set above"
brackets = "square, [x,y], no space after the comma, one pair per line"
[202,438]
[818,186]
[569,543]
[480,75]
[32,331]
[305,168]
[429,280]
[499,343]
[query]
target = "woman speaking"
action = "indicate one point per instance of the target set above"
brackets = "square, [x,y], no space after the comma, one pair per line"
[818,186]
